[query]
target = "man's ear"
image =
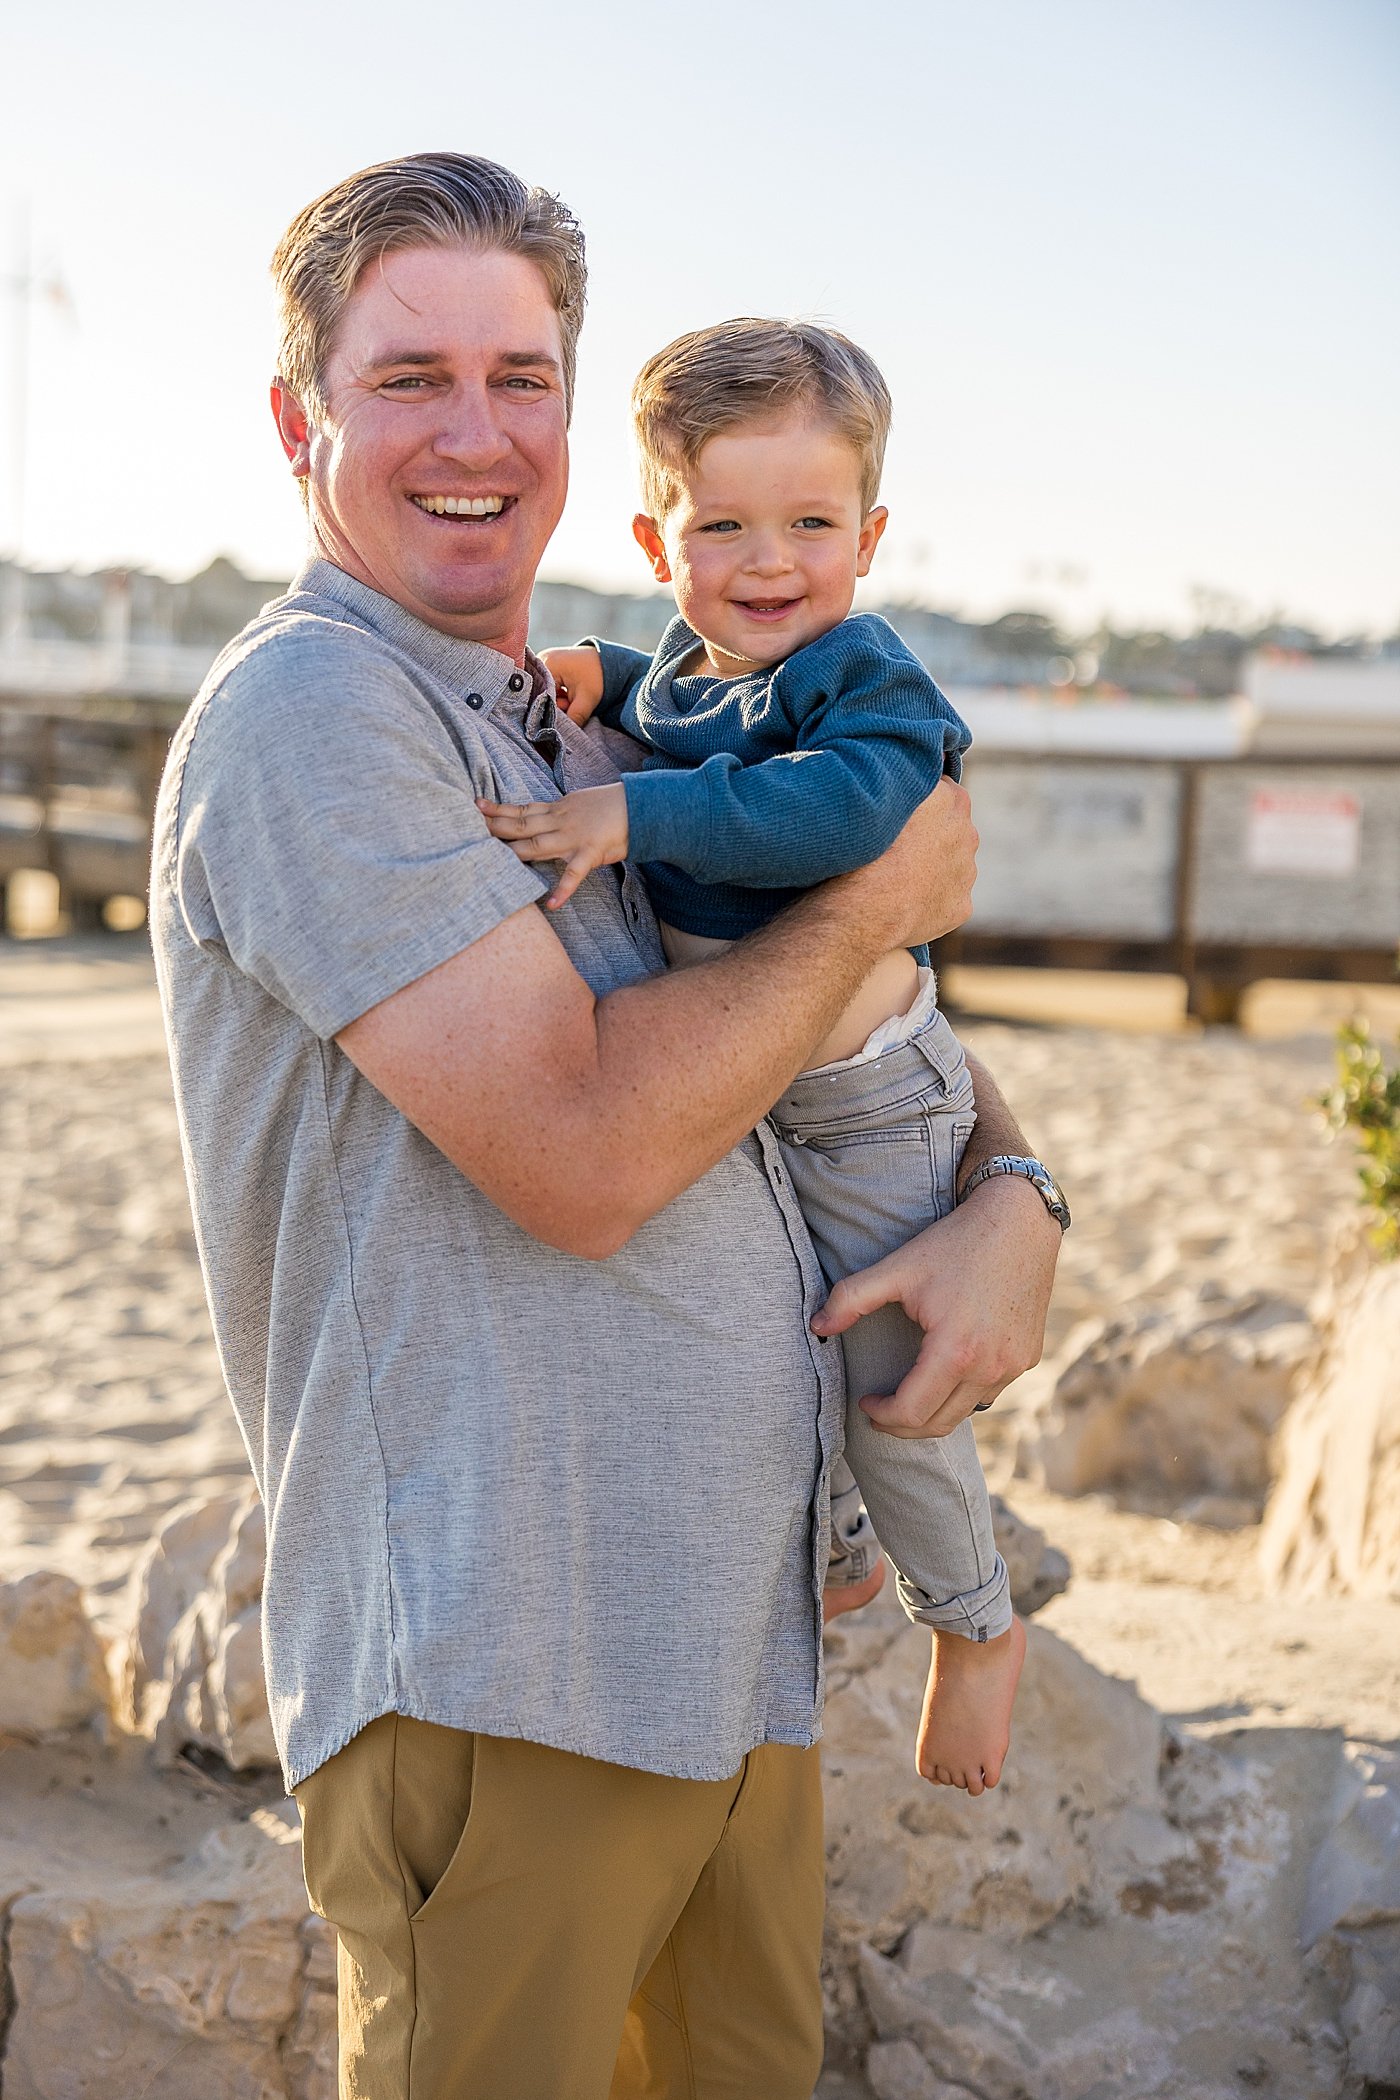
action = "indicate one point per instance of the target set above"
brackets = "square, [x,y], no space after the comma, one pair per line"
[292,427]
[869,540]
[647,533]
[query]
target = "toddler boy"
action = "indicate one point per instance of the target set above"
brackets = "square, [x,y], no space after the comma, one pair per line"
[787,742]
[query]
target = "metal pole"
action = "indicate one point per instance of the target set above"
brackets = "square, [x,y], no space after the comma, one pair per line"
[21,291]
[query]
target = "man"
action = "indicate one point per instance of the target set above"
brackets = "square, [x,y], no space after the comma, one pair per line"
[497,1245]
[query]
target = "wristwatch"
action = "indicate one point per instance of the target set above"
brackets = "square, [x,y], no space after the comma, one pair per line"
[1031,1170]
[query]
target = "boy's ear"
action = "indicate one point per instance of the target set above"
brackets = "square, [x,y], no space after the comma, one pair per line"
[869,539]
[647,533]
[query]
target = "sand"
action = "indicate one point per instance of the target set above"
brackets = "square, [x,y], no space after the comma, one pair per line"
[1191,1158]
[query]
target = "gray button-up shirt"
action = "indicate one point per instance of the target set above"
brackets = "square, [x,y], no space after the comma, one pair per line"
[507,1489]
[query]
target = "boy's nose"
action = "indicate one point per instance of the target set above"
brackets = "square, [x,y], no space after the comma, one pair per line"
[769,558]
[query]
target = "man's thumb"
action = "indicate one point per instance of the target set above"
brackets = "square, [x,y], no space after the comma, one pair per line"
[854,1296]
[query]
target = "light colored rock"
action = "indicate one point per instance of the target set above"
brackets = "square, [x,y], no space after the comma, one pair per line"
[53,1667]
[1333,1519]
[210,1979]
[1037,1570]
[193,1672]
[1161,1407]
[1078,1932]
[897,2071]
[1077,1814]
[1354,1879]
[1352,1907]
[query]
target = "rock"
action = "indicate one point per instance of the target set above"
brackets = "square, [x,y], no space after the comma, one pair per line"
[193,1670]
[1162,1406]
[209,1979]
[1118,1917]
[1078,1813]
[53,1667]
[897,2071]
[1352,1908]
[1333,1519]
[1038,1570]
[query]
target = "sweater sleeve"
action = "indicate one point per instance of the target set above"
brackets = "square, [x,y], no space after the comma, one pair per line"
[623,671]
[874,736]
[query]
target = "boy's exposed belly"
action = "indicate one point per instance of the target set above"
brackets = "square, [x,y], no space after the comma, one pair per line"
[889,989]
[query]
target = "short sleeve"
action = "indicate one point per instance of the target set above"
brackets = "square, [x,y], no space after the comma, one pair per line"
[328,838]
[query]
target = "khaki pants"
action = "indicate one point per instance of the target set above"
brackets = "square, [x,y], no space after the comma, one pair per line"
[517,1923]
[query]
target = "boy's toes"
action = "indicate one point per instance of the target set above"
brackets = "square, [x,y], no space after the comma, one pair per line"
[974,1782]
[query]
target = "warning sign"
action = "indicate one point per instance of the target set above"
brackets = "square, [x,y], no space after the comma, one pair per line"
[1303,831]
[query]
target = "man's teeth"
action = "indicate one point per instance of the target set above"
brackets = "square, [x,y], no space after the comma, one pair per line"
[461,506]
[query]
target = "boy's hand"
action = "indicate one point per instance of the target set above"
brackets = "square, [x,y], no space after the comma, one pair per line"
[586,830]
[578,680]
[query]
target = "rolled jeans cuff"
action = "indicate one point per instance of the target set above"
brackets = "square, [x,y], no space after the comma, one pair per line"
[980,1615]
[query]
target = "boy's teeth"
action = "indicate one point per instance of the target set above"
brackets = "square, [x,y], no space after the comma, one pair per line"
[461,506]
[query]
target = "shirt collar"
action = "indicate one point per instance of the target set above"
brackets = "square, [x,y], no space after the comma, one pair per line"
[482,675]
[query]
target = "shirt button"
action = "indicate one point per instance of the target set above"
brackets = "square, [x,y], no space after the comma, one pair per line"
[517,682]
[474,700]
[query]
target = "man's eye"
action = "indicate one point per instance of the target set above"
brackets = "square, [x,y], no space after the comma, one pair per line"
[406,383]
[525,383]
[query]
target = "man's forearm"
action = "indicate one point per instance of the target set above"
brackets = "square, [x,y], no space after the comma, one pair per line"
[996,1129]
[696,1058]
[581,1116]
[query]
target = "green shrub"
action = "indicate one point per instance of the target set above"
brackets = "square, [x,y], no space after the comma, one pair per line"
[1366,1099]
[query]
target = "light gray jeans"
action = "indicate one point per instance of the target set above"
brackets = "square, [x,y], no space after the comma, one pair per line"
[873,1150]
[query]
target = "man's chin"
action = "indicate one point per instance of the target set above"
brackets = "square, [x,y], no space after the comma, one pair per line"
[475,600]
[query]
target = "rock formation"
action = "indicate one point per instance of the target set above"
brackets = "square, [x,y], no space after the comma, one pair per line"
[193,1673]
[1333,1520]
[1116,1918]
[53,1668]
[201,1977]
[1171,1408]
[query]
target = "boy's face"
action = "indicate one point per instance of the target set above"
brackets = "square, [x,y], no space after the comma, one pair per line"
[765,540]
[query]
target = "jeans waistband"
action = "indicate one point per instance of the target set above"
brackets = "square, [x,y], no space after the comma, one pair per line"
[931,1062]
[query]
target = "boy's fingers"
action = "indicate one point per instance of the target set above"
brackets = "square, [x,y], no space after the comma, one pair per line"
[518,820]
[581,865]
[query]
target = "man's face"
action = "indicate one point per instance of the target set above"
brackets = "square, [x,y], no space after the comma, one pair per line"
[439,468]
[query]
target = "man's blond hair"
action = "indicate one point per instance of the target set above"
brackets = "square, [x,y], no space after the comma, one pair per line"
[752,371]
[427,200]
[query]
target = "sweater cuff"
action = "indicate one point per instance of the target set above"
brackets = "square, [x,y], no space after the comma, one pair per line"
[668,818]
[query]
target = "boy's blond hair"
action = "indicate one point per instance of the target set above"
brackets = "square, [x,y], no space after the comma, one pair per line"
[749,371]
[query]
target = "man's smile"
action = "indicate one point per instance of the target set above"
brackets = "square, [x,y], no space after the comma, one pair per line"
[462,506]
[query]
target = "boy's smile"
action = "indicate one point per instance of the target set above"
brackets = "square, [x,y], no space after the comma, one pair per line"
[765,540]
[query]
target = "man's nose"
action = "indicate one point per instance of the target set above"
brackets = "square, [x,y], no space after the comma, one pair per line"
[471,432]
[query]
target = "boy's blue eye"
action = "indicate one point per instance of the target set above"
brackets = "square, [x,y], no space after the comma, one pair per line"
[721,525]
[820,523]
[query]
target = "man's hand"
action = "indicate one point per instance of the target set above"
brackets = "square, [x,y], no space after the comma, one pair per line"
[586,830]
[921,886]
[578,680]
[978,1283]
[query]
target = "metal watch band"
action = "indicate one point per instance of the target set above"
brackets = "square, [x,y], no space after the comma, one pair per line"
[1032,1170]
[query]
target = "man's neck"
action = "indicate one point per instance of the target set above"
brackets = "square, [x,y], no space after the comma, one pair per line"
[509,641]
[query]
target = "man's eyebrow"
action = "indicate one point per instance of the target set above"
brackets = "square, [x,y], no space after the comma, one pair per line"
[516,359]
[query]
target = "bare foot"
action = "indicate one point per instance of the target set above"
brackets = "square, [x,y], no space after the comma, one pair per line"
[965,1731]
[850,1596]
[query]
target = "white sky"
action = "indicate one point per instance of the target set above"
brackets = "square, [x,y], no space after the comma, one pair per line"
[1130,269]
